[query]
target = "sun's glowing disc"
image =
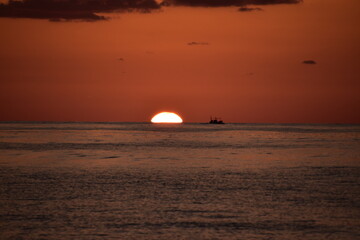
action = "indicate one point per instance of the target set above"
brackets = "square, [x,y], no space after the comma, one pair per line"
[166,117]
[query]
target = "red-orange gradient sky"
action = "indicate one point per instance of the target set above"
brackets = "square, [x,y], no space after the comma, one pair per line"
[247,67]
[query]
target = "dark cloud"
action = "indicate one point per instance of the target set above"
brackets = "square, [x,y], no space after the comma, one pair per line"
[249,9]
[87,10]
[225,3]
[198,43]
[58,10]
[309,62]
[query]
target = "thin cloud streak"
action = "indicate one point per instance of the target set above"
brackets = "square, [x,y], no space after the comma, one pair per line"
[227,3]
[248,9]
[309,62]
[197,43]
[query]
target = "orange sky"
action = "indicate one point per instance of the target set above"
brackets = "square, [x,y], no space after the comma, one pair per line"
[250,70]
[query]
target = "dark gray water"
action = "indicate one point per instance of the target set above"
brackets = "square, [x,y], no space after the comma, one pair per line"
[189,181]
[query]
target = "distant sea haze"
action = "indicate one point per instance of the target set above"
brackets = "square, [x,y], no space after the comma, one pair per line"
[180,181]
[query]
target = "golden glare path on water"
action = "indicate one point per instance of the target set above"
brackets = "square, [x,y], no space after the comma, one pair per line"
[166,117]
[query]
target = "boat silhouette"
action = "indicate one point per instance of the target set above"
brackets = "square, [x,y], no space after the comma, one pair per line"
[215,121]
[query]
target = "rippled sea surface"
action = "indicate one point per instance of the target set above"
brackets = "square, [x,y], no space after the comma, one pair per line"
[187,181]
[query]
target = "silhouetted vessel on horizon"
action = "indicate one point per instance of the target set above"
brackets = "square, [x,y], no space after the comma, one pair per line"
[215,121]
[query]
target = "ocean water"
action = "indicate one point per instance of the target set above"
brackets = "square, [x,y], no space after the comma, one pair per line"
[182,181]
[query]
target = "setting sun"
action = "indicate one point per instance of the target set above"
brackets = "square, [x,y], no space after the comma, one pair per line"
[166,117]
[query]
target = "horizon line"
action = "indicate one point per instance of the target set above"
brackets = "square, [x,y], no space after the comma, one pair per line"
[149,122]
